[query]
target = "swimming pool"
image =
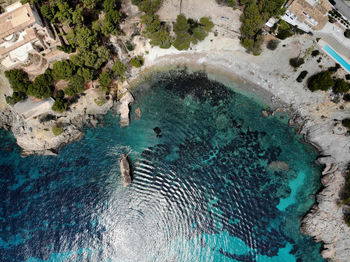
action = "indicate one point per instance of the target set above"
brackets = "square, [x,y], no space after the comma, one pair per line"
[337,57]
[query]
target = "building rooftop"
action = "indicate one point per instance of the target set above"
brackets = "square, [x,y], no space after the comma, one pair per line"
[16,20]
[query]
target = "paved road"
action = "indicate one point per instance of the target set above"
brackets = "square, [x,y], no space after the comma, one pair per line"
[343,7]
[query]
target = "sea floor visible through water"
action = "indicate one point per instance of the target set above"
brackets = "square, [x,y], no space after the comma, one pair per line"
[206,189]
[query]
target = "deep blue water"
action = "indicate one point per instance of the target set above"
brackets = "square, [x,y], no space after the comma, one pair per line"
[201,192]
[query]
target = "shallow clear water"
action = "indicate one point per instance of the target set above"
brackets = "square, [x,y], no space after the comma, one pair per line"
[201,192]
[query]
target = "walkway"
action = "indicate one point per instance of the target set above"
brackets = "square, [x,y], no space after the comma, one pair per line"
[343,8]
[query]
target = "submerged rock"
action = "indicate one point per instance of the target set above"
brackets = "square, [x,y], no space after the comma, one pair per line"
[266,113]
[125,170]
[278,166]
[158,131]
[138,113]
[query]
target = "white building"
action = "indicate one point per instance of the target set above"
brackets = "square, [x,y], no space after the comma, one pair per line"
[21,32]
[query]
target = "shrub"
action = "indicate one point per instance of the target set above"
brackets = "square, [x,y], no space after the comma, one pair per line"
[75,86]
[321,81]
[60,105]
[340,86]
[18,79]
[301,76]
[296,62]
[42,86]
[137,61]
[105,79]
[206,23]
[119,68]
[346,97]
[334,69]
[272,44]
[231,3]
[347,33]
[315,53]
[63,69]
[66,48]
[284,30]
[346,122]
[100,101]
[57,130]
[15,98]
[130,46]
[60,94]
[86,73]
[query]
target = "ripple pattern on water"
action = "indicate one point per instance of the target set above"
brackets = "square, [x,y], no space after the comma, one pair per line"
[201,192]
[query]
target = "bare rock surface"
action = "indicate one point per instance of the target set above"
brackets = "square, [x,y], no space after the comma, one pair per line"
[124,109]
[125,170]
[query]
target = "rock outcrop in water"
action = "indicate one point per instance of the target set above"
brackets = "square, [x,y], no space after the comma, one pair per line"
[123,108]
[125,170]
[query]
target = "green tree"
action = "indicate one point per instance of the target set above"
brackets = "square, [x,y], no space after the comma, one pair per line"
[89,4]
[251,21]
[156,31]
[119,69]
[76,83]
[105,79]
[340,86]
[199,33]
[60,105]
[181,25]
[321,81]
[206,23]
[296,62]
[64,13]
[47,12]
[90,59]
[83,38]
[18,80]
[77,60]
[86,73]
[78,16]
[42,86]
[137,61]
[15,98]
[63,69]
[103,53]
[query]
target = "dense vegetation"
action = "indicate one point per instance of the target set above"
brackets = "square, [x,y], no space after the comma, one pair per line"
[321,81]
[187,30]
[324,81]
[255,15]
[87,35]
[227,2]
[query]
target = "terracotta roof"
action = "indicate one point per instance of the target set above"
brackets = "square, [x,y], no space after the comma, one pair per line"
[16,20]
[27,38]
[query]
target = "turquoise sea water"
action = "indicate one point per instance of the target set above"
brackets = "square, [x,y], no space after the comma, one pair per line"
[201,192]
